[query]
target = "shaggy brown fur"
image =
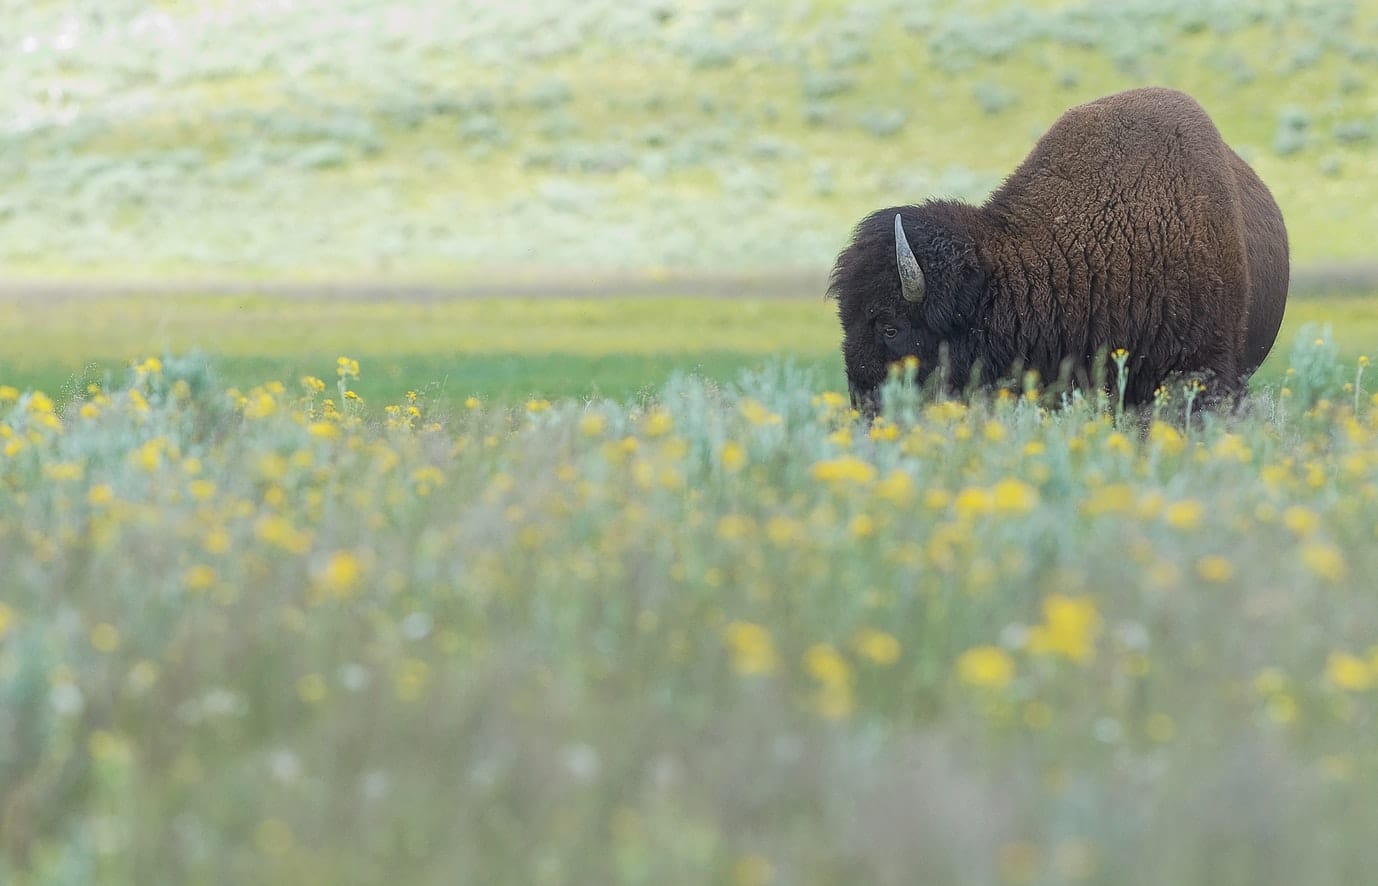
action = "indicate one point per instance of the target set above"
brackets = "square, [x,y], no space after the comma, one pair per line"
[1130,225]
[1266,238]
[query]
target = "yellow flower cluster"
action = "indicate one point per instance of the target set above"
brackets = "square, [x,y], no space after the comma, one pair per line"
[278,565]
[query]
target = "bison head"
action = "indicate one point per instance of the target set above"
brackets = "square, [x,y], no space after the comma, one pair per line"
[909,284]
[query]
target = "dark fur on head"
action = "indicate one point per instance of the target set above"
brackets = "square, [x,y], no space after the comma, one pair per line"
[1130,225]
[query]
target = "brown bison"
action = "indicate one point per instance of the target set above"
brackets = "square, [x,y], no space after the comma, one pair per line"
[1130,225]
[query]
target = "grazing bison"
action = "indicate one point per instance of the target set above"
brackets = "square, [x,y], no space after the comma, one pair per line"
[1130,225]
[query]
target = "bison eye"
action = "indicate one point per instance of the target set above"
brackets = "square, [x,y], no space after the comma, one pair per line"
[889,331]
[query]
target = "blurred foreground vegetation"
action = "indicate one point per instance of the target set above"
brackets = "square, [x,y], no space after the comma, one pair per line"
[324,138]
[730,635]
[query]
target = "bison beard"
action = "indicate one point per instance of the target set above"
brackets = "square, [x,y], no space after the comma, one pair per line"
[1130,225]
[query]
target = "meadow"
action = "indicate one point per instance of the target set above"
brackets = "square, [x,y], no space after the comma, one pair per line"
[425,458]
[501,349]
[727,633]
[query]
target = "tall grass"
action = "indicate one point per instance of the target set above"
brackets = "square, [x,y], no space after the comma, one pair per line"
[728,634]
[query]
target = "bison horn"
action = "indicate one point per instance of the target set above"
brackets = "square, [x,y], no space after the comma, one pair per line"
[911,275]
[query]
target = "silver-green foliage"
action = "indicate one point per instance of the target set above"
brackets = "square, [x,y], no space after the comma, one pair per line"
[721,631]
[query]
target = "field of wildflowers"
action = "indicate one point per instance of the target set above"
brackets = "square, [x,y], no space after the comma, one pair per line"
[552,618]
[727,633]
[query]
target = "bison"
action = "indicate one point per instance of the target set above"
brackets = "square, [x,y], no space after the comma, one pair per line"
[1130,225]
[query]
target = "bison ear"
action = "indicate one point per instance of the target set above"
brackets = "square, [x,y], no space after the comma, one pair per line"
[911,275]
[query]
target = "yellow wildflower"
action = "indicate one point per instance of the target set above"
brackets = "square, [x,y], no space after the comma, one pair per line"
[1281,708]
[150,455]
[732,456]
[1301,520]
[756,413]
[783,531]
[882,430]
[199,578]
[832,402]
[1231,447]
[751,648]
[63,471]
[1014,497]
[946,411]
[658,423]
[105,637]
[1070,626]
[735,526]
[1349,672]
[260,404]
[1166,438]
[312,688]
[1215,569]
[987,667]
[973,501]
[1185,515]
[846,469]
[103,744]
[1119,444]
[217,539]
[826,665]
[1325,560]
[277,530]
[897,487]
[427,478]
[340,575]
[1113,498]
[877,647]
[834,700]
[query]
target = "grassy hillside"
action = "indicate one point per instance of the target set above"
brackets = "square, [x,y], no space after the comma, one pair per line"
[334,137]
